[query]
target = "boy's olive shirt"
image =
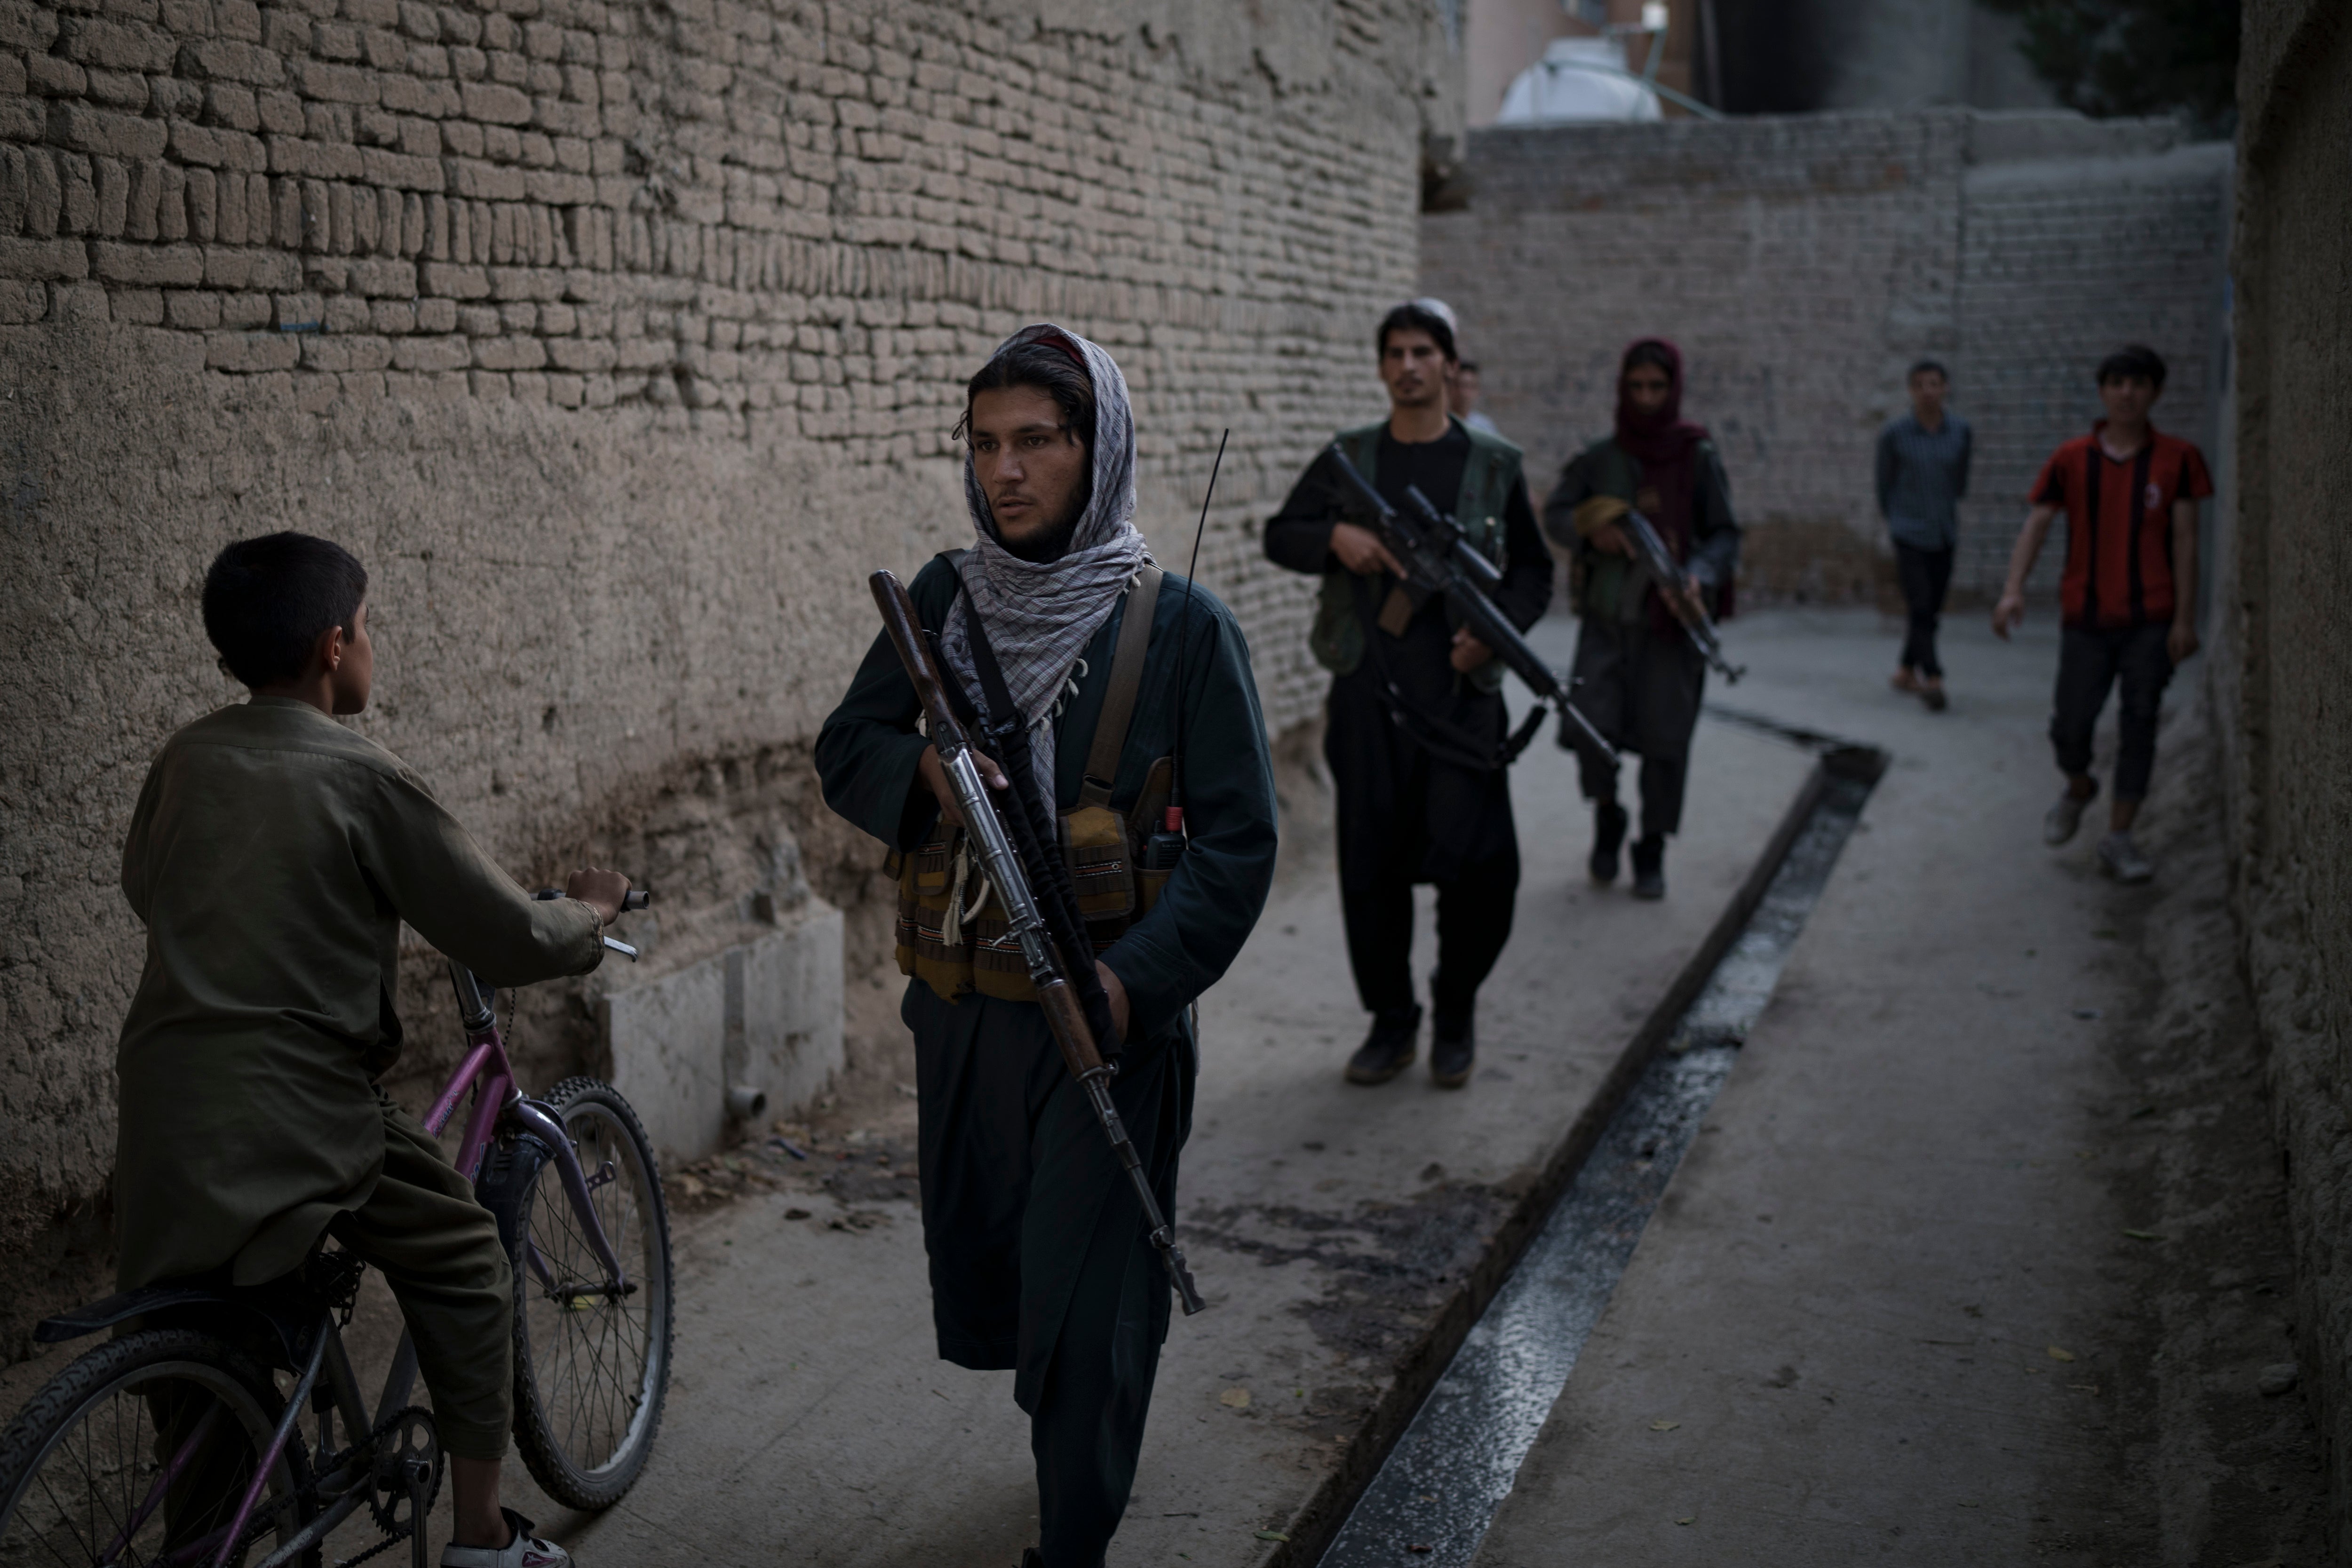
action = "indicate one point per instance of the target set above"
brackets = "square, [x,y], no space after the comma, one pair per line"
[272,858]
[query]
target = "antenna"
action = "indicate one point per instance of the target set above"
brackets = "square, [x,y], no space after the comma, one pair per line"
[1174,822]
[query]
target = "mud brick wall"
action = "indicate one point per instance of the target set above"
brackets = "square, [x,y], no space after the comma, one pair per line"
[1802,264]
[620,341]
[2284,659]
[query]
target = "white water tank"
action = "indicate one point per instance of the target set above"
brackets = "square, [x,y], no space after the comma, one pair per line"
[1577,78]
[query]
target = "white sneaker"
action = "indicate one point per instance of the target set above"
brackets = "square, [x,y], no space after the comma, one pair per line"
[2123,860]
[2065,816]
[525,1550]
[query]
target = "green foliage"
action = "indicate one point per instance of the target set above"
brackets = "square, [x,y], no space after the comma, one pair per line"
[2135,56]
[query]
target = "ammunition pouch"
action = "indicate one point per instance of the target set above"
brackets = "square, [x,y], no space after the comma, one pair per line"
[953,934]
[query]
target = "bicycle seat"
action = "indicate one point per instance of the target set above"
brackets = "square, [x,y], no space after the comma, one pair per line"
[290,1304]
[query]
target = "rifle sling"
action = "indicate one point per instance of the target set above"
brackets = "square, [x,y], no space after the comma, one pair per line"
[1126,680]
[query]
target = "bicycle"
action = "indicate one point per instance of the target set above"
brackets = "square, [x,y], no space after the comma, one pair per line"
[171,1446]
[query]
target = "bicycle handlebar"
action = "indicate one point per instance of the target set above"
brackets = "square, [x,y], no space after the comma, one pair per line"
[635,898]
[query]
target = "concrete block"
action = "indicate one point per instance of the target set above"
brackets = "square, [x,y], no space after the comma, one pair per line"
[763,1015]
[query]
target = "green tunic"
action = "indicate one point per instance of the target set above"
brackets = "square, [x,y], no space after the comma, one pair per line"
[272,858]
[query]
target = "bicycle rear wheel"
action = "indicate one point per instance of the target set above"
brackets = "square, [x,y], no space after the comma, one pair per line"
[592,1366]
[140,1453]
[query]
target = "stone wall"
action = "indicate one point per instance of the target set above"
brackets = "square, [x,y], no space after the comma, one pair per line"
[1802,264]
[620,341]
[2283,665]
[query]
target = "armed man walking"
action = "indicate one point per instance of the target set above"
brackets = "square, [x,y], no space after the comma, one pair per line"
[1131,686]
[1416,715]
[1638,674]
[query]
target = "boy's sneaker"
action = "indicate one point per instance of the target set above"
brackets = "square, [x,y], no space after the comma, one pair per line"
[525,1550]
[2066,815]
[2122,860]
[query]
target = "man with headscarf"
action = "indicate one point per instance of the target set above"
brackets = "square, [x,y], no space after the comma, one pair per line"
[1415,719]
[1637,676]
[1039,1261]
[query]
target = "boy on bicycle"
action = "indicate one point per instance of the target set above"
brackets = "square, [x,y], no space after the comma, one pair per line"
[272,858]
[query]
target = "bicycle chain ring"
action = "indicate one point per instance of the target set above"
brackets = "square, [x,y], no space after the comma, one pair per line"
[404,1441]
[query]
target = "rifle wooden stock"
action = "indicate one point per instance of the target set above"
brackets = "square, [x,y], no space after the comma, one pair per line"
[906,633]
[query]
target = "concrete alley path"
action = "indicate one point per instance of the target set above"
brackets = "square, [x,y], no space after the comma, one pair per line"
[811,1422]
[1980,1257]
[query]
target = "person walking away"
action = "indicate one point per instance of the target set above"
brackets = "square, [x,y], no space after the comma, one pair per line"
[1415,718]
[1923,473]
[1637,676]
[273,858]
[2127,597]
[1461,399]
[1039,1262]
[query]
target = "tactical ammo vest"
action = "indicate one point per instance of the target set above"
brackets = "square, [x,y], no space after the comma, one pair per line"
[952,932]
[1338,637]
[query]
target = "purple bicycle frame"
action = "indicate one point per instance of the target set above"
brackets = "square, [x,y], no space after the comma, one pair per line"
[496,1097]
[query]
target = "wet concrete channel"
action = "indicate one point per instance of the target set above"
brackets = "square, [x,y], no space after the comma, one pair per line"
[1436,1491]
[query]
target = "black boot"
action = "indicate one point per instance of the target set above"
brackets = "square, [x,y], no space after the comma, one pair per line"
[1388,1051]
[1453,1046]
[1650,866]
[1608,836]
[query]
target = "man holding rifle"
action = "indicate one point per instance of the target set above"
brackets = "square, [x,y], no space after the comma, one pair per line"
[1643,652]
[1121,704]
[1415,722]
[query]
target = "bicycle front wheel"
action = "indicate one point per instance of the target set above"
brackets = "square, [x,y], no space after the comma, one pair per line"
[140,1452]
[592,1364]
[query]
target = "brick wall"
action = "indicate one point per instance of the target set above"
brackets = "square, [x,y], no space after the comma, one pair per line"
[1802,264]
[620,341]
[2284,659]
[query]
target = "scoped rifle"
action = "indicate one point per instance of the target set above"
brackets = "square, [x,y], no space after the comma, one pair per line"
[1438,560]
[1047,965]
[1668,576]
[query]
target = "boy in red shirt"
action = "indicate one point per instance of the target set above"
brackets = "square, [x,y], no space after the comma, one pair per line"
[2129,594]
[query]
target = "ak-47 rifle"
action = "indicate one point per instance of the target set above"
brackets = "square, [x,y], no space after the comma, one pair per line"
[1669,576]
[1438,560]
[1048,964]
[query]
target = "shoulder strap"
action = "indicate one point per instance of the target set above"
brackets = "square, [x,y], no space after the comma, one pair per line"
[1363,445]
[1126,680]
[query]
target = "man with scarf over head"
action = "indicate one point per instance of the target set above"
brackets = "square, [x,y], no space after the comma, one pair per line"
[1415,717]
[1039,1260]
[1637,676]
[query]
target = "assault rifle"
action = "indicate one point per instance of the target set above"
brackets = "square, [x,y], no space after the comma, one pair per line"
[1439,560]
[1010,879]
[1669,578]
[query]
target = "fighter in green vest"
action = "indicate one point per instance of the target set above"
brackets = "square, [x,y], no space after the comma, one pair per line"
[1415,709]
[1637,676]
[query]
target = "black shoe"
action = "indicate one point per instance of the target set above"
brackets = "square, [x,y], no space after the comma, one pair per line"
[1453,1046]
[1650,867]
[1033,1558]
[1608,837]
[1388,1051]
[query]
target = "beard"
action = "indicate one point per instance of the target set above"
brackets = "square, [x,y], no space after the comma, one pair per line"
[1049,545]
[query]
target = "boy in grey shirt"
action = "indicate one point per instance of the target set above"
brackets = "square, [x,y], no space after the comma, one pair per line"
[1923,471]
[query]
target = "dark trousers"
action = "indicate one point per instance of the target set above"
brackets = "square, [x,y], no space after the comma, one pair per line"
[2090,662]
[1642,689]
[1403,817]
[1039,1261]
[1926,574]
